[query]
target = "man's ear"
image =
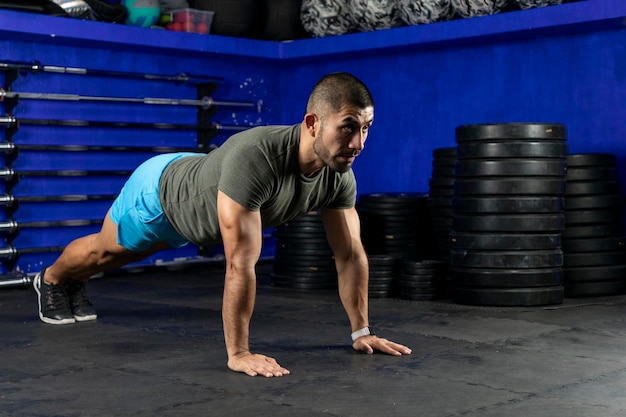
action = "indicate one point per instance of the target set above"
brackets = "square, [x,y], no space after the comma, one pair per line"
[311,123]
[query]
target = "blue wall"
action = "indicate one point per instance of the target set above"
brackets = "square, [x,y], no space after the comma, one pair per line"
[424,90]
[562,64]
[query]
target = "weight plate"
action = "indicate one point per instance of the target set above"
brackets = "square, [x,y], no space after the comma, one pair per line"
[288,251]
[441,182]
[552,131]
[306,220]
[303,246]
[510,186]
[506,259]
[595,273]
[608,244]
[442,171]
[518,204]
[295,259]
[509,223]
[436,202]
[391,205]
[592,216]
[311,239]
[594,259]
[591,159]
[589,289]
[382,275]
[407,212]
[446,193]
[511,167]
[441,212]
[406,286]
[423,276]
[509,296]
[590,187]
[393,198]
[378,294]
[305,279]
[505,278]
[295,248]
[303,286]
[444,223]
[591,173]
[593,231]
[423,297]
[505,241]
[383,260]
[444,162]
[300,229]
[444,152]
[511,149]
[573,202]
[423,264]
[305,272]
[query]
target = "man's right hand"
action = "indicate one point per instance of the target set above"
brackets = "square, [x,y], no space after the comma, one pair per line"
[254,364]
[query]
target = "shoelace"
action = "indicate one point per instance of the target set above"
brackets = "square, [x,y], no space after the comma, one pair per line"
[55,297]
[76,292]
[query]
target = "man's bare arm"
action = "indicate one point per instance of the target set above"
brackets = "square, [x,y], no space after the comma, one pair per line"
[242,236]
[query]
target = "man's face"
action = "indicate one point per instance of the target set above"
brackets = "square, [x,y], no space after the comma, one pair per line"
[342,136]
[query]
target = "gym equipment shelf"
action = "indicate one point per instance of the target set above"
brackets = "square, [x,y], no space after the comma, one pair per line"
[577,17]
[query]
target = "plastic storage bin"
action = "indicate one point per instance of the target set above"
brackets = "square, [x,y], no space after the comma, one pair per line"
[188,20]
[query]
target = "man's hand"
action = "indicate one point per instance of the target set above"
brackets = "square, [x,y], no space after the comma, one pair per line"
[253,364]
[369,344]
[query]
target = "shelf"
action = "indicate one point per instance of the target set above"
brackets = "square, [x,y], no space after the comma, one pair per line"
[586,15]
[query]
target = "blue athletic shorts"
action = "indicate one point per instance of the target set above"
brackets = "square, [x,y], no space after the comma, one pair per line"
[137,211]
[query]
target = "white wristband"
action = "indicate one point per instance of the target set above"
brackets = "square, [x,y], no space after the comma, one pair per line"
[365,331]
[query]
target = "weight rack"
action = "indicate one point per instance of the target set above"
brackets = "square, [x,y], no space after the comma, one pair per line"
[11,175]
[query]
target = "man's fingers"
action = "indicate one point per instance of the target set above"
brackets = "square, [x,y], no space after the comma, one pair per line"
[369,344]
[257,365]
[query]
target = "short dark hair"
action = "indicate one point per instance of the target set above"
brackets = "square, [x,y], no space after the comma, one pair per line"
[336,90]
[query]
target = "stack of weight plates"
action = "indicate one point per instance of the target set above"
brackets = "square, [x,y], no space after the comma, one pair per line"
[303,258]
[383,274]
[594,247]
[440,198]
[508,214]
[396,224]
[423,280]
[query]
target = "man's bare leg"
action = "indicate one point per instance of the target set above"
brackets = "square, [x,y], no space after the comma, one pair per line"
[60,287]
[89,255]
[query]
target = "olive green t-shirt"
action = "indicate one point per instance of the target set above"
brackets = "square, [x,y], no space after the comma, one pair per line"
[258,168]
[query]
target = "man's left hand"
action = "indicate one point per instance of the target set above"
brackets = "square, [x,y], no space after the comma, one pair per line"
[369,344]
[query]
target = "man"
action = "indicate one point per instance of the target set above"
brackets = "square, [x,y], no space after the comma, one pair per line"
[257,179]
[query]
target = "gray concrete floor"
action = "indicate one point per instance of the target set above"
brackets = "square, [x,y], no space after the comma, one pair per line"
[157,350]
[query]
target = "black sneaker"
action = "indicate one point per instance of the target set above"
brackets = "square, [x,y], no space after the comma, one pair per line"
[54,305]
[81,307]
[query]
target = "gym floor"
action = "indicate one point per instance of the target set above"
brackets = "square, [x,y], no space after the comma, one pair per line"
[157,349]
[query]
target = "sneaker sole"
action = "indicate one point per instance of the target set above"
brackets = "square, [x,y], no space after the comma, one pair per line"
[86,318]
[41,316]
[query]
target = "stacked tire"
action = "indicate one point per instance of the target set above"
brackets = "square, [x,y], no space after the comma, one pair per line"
[423,280]
[594,246]
[505,246]
[383,273]
[396,224]
[303,258]
[440,195]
